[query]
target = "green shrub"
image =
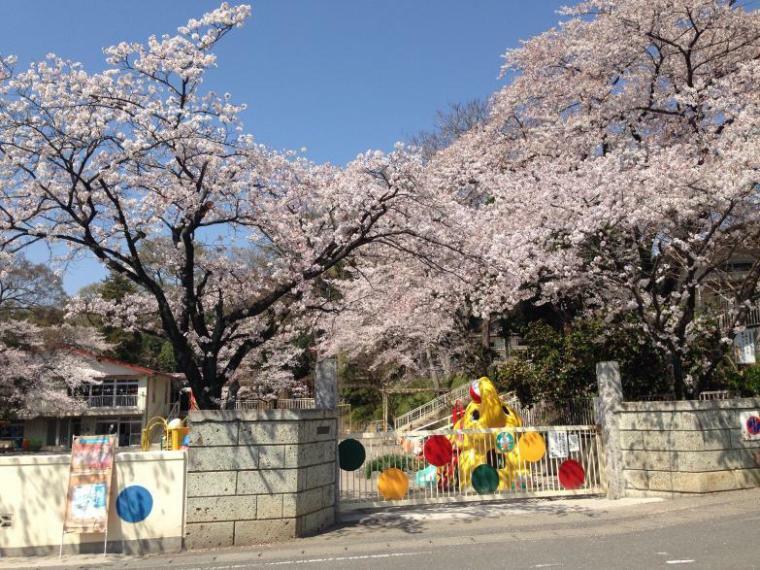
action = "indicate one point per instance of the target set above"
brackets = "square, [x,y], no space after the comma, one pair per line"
[746,382]
[404,462]
[561,365]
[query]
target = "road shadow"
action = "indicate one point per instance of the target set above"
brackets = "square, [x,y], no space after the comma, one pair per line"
[416,520]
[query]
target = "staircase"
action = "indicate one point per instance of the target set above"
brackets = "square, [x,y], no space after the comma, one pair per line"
[434,412]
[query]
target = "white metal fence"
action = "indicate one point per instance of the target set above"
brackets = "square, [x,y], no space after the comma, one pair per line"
[282,404]
[573,412]
[453,481]
[715,395]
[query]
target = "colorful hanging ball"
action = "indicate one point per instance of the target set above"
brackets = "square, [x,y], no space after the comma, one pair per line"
[485,479]
[437,450]
[475,391]
[531,446]
[426,476]
[392,484]
[571,474]
[505,442]
[351,455]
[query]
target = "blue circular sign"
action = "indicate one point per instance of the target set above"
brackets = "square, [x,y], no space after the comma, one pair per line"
[134,504]
[753,425]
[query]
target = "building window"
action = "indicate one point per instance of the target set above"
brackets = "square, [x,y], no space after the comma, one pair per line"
[52,432]
[129,430]
[12,431]
[111,394]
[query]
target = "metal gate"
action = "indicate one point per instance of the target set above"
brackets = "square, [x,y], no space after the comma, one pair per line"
[408,469]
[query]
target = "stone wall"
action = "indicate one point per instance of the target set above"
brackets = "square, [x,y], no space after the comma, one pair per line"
[259,476]
[686,446]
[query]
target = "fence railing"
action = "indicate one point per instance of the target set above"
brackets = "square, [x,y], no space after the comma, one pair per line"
[728,312]
[572,412]
[715,395]
[112,401]
[283,404]
[550,474]
[431,408]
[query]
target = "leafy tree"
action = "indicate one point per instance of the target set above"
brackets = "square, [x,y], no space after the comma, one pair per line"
[560,365]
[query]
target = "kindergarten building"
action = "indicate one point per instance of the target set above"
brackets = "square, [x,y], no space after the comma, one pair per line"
[120,400]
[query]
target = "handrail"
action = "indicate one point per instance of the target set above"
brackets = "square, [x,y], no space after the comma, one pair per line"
[434,406]
[173,412]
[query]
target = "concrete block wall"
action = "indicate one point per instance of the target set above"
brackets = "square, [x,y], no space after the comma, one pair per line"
[686,447]
[259,476]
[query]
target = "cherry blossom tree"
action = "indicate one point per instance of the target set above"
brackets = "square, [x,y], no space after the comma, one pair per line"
[621,160]
[38,369]
[403,318]
[25,285]
[150,173]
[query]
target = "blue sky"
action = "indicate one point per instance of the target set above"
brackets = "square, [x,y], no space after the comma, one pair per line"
[335,76]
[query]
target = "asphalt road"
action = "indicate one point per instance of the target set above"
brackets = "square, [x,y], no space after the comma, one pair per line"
[718,531]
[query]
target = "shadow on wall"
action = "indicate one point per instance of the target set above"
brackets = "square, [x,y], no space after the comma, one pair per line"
[689,446]
[34,500]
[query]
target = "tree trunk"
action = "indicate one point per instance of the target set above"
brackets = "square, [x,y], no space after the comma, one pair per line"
[679,380]
[486,332]
[431,368]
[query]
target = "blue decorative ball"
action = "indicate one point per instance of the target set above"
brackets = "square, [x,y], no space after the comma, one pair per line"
[134,504]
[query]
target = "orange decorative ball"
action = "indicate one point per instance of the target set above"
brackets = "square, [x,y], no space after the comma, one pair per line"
[392,484]
[531,447]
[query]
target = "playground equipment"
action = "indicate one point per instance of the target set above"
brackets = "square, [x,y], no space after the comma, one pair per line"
[173,436]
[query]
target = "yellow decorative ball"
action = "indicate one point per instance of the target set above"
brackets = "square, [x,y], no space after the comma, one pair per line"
[392,484]
[531,447]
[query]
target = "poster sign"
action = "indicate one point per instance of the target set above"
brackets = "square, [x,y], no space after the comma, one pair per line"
[573,445]
[744,343]
[558,444]
[89,484]
[750,424]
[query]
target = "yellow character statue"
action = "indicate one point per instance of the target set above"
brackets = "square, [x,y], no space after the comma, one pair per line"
[487,411]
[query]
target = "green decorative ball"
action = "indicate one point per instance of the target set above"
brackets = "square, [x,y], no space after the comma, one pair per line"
[505,442]
[351,454]
[485,479]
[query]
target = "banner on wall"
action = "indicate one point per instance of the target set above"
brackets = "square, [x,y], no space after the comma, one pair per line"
[92,460]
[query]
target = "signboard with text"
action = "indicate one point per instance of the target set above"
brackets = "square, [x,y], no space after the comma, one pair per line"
[558,444]
[744,343]
[92,460]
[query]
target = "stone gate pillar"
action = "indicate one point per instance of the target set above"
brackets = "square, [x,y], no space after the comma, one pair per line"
[259,476]
[607,414]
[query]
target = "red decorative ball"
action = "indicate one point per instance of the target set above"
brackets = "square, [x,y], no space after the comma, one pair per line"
[475,391]
[437,450]
[571,474]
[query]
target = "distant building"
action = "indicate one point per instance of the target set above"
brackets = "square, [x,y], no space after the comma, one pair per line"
[120,400]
